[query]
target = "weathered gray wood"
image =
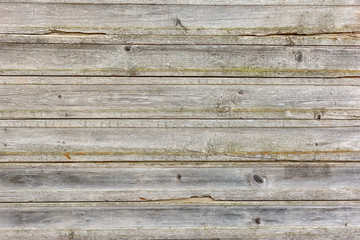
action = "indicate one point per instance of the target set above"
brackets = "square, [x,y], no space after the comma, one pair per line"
[141,182]
[252,233]
[73,71]
[342,39]
[201,60]
[66,157]
[274,220]
[175,123]
[195,143]
[130,99]
[85,80]
[200,2]
[41,18]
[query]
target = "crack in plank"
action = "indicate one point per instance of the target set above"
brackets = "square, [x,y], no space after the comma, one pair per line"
[59,32]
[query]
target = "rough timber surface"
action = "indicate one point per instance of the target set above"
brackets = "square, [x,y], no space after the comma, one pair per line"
[181,119]
[236,98]
[166,19]
[179,60]
[201,2]
[184,220]
[140,182]
[62,37]
[192,140]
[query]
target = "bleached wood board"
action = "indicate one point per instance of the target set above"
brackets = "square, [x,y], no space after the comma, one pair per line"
[179,98]
[123,81]
[221,220]
[158,141]
[342,39]
[42,18]
[159,181]
[179,60]
[201,2]
[175,123]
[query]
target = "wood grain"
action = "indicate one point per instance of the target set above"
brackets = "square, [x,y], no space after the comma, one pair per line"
[156,181]
[222,81]
[175,123]
[200,2]
[222,220]
[182,119]
[339,39]
[176,60]
[180,98]
[197,143]
[164,19]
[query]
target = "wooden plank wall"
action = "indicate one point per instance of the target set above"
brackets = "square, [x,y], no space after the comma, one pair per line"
[182,119]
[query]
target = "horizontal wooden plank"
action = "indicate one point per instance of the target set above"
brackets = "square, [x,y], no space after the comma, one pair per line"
[254,233]
[88,80]
[218,98]
[256,220]
[200,2]
[194,144]
[341,39]
[175,123]
[178,60]
[42,18]
[99,157]
[119,182]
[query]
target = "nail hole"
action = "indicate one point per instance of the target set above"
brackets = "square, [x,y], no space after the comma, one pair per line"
[179,177]
[345,224]
[257,221]
[316,144]
[258,179]
[318,116]
[241,92]
[5,145]
[127,48]
[66,114]
[59,96]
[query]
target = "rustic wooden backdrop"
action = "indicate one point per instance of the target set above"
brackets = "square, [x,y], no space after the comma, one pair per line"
[180,119]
